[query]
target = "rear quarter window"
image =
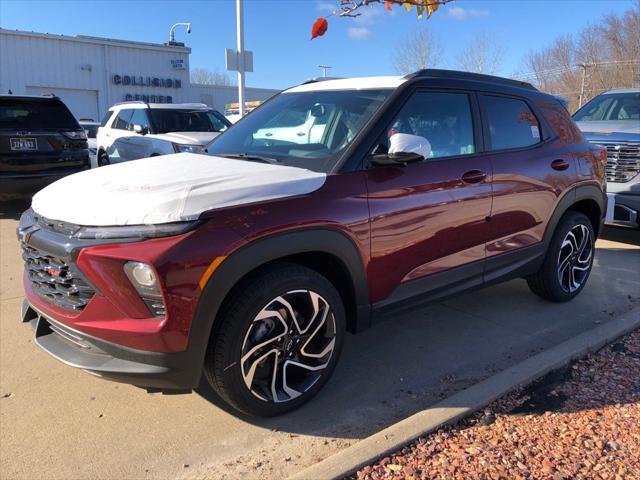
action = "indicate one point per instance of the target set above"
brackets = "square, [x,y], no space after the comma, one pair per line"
[106,118]
[34,114]
[511,123]
[560,121]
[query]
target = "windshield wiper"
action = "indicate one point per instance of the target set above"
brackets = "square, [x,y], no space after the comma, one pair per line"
[250,157]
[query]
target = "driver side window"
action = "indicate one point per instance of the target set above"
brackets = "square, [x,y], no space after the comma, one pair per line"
[443,119]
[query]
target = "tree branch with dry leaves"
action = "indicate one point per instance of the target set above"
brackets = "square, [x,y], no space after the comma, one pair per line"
[350,8]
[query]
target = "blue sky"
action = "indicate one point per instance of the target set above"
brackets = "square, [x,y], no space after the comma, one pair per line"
[278,31]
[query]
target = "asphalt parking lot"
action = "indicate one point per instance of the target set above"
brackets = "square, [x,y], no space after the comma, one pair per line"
[60,423]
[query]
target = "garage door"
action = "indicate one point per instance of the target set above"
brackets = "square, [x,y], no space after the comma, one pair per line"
[82,103]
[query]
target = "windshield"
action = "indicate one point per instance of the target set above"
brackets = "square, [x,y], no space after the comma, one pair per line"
[611,107]
[303,129]
[175,120]
[35,114]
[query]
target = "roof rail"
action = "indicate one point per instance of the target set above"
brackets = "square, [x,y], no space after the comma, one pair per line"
[130,102]
[320,79]
[478,77]
[193,104]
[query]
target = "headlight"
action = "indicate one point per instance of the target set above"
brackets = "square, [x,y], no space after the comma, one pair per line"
[75,135]
[135,231]
[181,148]
[143,278]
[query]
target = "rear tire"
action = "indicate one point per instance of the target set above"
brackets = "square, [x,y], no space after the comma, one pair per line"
[103,159]
[568,260]
[277,340]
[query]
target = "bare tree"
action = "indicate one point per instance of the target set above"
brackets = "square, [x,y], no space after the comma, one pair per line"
[422,49]
[203,76]
[605,54]
[482,55]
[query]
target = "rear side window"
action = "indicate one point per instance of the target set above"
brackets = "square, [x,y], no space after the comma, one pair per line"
[512,124]
[106,118]
[122,119]
[34,114]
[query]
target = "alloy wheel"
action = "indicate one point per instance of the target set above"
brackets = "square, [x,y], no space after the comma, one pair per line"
[287,346]
[575,258]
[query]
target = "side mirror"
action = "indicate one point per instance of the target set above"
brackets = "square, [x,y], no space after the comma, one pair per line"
[404,148]
[399,159]
[140,129]
[318,111]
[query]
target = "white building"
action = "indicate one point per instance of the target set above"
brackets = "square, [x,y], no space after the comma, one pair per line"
[90,73]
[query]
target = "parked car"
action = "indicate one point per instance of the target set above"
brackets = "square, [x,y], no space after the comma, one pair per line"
[251,264]
[40,142]
[613,120]
[133,130]
[91,130]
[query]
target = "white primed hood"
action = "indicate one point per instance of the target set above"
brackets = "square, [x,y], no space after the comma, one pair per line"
[187,138]
[168,188]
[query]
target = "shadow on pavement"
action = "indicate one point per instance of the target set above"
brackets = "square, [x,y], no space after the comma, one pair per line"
[12,209]
[621,234]
[406,364]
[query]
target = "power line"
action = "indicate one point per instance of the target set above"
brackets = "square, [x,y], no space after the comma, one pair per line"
[558,70]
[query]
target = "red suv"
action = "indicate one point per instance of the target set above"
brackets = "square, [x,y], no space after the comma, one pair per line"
[332,205]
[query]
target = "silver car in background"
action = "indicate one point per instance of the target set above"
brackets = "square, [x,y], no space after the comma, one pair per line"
[612,119]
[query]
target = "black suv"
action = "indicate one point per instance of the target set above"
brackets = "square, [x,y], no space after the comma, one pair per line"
[40,142]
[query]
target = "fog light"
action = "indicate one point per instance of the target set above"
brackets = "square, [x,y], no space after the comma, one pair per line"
[142,273]
[143,278]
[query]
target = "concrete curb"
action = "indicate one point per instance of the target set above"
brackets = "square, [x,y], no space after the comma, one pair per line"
[393,438]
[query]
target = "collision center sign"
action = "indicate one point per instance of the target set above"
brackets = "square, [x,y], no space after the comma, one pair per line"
[141,81]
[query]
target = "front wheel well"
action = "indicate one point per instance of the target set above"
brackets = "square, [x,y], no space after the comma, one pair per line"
[326,265]
[591,209]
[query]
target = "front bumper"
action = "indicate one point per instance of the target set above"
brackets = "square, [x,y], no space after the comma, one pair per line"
[623,210]
[164,371]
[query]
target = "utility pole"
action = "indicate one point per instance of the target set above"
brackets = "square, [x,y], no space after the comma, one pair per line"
[324,70]
[584,67]
[240,40]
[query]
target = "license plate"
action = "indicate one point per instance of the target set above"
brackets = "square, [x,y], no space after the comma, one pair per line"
[23,144]
[611,205]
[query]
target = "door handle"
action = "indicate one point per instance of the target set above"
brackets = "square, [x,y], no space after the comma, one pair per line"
[301,134]
[560,164]
[473,176]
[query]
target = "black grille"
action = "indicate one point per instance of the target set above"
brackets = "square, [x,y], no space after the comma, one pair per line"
[623,161]
[55,280]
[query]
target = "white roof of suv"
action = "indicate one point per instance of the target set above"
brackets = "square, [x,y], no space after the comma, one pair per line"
[177,106]
[622,90]
[356,83]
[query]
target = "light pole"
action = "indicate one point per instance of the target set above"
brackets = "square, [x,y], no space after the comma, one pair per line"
[584,67]
[172,31]
[324,69]
[240,40]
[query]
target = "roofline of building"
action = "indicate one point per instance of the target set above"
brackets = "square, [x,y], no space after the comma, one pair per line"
[99,41]
[234,87]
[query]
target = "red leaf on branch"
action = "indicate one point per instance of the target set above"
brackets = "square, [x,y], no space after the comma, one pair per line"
[387,5]
[319,28]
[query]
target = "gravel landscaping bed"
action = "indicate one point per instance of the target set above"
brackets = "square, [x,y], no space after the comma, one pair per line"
[579,422]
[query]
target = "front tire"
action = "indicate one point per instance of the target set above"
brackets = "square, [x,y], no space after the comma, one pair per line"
[568,260]
[277,341]
[103,159]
